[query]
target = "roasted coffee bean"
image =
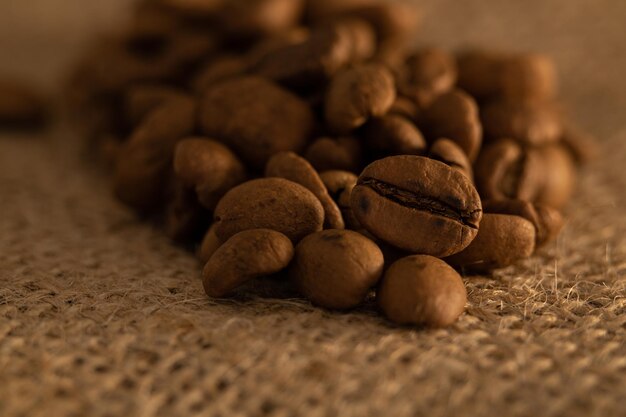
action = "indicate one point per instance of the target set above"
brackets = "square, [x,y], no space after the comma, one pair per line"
[405,107]
[250,18]
[393,134]
[269,203]
[417,204]
[505,170]
[583,147]
[428,73]
[343,153]
[502,241]
[391,20]
[336,268]
[245,256]
[144,162]
[422,290]
[255,118]
[209,168]
[534,123]
[141,100]
[479,71]
[454,115]
[184,217]
[547,221]
[294,168]
[337,181]
[357,94]
[209,245]
[451,154]
[217,71]
[20,105]
[559,180]
[362,36]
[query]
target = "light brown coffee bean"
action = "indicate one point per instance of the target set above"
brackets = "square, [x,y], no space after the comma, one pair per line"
[362,36]
[451,154]
[422,290]
[454,115]
[559,180]
[208,167]
[245,256]
[250,18]
[528,77]
[428,73]
[343,153]
[141,100]
[583,147]
[336,181]
[405,107]
[20,105]
[209,245]
[417,204]
[393,135]
[269,203]
[217,71]
[502,241]
[336,268]
[255,118]
[294,168]
[549,225]
[533,123]
[357,94]
[144,162]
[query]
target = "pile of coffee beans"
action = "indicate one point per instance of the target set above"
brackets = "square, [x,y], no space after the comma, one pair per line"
[309,142]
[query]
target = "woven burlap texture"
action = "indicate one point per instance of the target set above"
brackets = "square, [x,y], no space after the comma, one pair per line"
[101,316]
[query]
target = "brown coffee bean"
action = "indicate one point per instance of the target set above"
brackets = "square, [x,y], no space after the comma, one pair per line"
[583,147]
[532,123]
[505,170]
[357,94]
[20,105]
[217,71]
[547,221]
[393,135]
[343,153]
[454,115]
[337,181]
[144,162]
[502,241]
[417,204]
[422,290]
[184,217]
[269,203]
[362,36]
[559,180]
[451,154]
[245,256]
[249,18]
[391,20]
[208,167]
[294,168]
[428,73]
[479,72]
[319,10]
[255,118]
[405,107]
[311,63]
[528,77]
[209,245]
[141,100]
[336,268]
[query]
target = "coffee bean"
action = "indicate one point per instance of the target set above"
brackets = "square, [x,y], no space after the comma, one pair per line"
[218,71]
[145,160]
[255,118]
[269,203]
[337,181]
[583,147]
[405,107]
[294,168]
[428,73]
[532,123]
[479,72]
[184,217]
[336,268]
[422,290]
[451,154]
[141,100]
[20,105]
[245,256]
[417,204]
[343,153]
[357,94]
[528,77]
[559,180]
[320,10]
[454,115]
[249,18]
[208,167]
[549,225]
[502,241]
[209,245]
[391,20]
[393,135]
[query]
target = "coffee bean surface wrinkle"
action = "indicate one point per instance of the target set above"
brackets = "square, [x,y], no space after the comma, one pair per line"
[247,255]
[356,94]
[454,115]
[145,159]
[502,241]
[530,122]
[20,105]
[451,154]
[422,290]
[269,203]
[417,204]
[294,168]
[209,167]
[393,134]
[336,268]
[255,118]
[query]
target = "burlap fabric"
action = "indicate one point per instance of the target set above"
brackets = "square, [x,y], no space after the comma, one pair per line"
[101,316]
